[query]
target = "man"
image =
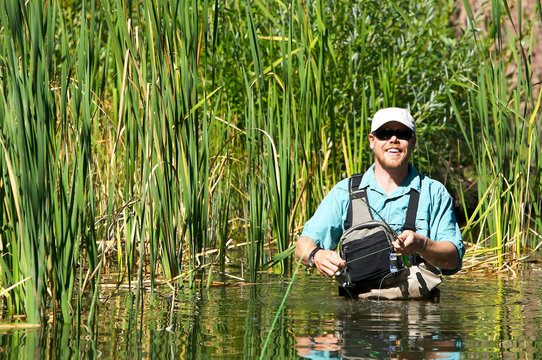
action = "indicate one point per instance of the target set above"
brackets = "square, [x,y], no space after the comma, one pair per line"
[437,238]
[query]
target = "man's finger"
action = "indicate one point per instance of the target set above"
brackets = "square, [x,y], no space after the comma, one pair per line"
[329,269]
[337,260]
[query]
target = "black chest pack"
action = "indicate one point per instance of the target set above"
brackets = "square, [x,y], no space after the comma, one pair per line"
[366,245]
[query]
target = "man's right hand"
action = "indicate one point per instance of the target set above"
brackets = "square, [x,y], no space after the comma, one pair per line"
[328,262]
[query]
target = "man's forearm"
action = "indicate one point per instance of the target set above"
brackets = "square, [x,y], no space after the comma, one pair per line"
[303,249]
[442,254]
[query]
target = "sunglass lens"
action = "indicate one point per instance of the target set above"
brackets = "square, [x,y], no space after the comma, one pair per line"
[386,134]
[404,134]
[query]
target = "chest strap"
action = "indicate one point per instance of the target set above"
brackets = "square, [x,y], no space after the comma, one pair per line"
[359,206]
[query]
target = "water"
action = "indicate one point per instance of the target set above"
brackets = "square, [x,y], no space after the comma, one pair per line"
[478,317]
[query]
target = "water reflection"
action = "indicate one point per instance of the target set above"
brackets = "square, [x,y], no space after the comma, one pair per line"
[370,329]
[477,317]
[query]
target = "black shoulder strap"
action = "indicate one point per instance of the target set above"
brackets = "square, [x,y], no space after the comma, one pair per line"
[358,203]
[355,180]
[410,222]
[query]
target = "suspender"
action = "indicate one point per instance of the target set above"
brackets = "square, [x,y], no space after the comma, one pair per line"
[359,206]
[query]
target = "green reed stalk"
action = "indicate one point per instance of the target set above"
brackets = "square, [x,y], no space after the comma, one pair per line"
[281,154]
[47,153]
[258,173]
[193,158]
[256,214]
[221,212]
[164,226]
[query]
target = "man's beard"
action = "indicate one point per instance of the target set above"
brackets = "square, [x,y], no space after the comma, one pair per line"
[392,164]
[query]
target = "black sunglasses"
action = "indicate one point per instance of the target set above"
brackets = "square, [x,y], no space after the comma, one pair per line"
[386,134]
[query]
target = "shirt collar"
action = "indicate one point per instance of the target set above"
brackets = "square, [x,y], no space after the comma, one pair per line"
[412,181]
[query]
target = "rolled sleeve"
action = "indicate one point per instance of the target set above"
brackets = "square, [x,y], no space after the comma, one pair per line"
[325,227]
[444,225]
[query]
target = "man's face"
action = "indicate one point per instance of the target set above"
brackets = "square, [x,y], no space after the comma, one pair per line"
[392,153]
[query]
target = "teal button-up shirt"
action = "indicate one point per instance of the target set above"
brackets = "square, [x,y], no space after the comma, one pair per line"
[435,217]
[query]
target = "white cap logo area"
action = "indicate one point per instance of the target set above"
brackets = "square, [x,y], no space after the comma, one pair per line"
[384,116]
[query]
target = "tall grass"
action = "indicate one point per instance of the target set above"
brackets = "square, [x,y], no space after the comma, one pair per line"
[46,157]
[502,132]
[137,138]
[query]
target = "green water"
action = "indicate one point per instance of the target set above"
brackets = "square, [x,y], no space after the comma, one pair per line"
[478,317]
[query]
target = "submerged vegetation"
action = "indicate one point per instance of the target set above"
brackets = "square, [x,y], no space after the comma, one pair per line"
[157,140]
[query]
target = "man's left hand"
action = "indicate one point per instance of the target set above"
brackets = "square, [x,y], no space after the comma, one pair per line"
[409,242]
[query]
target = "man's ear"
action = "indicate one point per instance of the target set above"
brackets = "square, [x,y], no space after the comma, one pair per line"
[371,141]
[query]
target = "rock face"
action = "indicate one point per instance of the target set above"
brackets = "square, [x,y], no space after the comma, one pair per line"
[531,23]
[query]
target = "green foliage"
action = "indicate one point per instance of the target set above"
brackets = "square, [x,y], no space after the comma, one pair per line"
[137,137]
[501,130]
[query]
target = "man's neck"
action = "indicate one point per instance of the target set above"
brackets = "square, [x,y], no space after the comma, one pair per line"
[390,179]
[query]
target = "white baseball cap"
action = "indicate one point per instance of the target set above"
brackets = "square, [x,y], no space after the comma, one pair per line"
[386,115]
